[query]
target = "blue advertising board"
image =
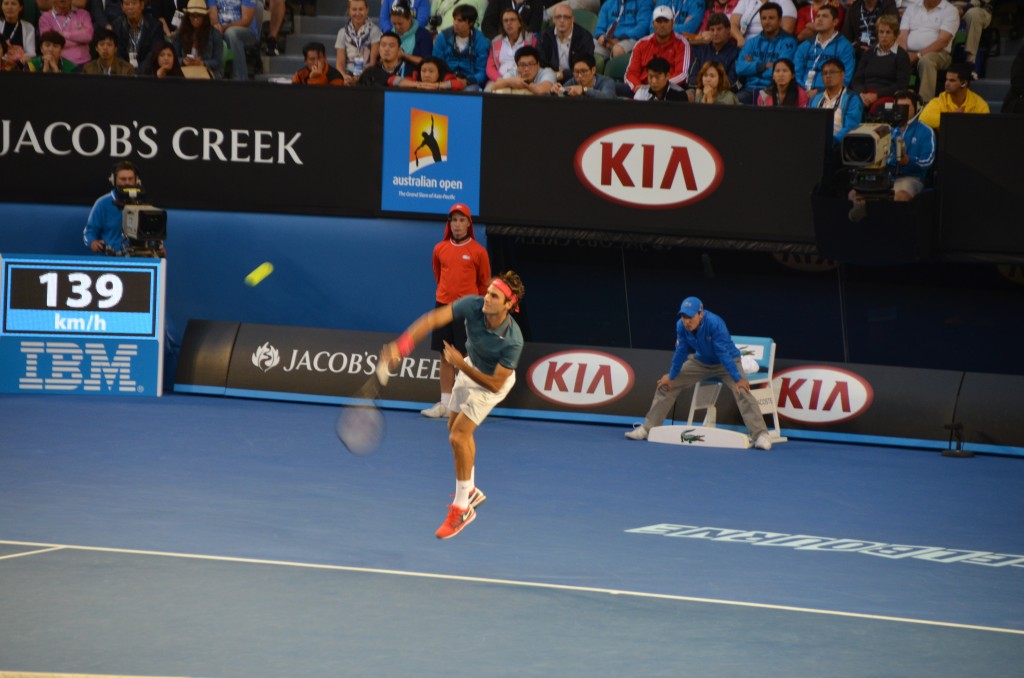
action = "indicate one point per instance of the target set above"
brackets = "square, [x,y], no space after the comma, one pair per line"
[431,152]
[81,325]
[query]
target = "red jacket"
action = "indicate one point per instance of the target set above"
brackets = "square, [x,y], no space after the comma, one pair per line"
[676,51]
[460,269]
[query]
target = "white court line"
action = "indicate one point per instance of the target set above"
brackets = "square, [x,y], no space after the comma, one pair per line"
[27,553]
[512,582]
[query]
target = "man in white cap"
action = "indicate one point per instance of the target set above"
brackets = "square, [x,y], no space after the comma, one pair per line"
[704,350]
[664,42]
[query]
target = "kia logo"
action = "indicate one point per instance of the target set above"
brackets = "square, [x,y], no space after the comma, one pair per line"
[817,394]
[649,166]
[580,378]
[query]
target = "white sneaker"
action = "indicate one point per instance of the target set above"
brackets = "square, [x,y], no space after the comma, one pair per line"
[638,433]
[436,412]
[763,442]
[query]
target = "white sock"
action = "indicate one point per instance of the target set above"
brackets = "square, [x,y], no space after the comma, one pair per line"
[472,477]
[462,490]
[445,397]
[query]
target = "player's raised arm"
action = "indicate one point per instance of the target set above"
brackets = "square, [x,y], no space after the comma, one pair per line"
[394,351]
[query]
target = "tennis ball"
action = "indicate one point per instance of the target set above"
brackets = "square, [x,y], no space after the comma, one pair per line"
[259,273]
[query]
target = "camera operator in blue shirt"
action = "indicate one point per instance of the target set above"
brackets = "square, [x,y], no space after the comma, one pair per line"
[103,232]
[912,152]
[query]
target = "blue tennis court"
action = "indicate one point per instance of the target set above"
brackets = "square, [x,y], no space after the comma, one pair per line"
[198,536]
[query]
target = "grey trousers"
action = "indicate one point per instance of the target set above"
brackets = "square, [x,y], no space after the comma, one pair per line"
[692,372]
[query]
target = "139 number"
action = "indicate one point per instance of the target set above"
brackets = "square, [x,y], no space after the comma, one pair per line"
[109,288]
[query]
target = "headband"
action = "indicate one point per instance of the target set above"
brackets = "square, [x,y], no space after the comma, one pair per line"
[507,291]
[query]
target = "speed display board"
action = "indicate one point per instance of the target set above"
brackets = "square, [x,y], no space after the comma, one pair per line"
[82,324]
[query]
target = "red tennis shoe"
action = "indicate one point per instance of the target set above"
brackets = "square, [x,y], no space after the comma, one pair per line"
[457,519]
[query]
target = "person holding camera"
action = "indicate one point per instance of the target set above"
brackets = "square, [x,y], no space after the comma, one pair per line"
[103,232]
[911,151]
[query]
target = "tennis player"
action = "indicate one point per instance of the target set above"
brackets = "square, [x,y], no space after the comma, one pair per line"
[461,267]
[494,343]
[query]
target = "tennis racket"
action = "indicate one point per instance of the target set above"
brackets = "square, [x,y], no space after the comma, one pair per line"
[360,426]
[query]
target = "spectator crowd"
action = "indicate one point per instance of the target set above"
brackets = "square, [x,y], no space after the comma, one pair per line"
[850,56]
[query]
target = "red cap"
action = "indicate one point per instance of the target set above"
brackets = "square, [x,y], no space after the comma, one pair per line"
[461,209]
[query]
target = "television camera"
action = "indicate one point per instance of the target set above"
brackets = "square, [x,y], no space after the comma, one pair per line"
[144,226]
[866,150]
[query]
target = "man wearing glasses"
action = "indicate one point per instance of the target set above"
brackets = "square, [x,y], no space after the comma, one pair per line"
[704,350]
[586,82]
[847,108]
[530,78]
[562,45]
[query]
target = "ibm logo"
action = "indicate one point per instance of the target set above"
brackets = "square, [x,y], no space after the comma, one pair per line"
[71,367]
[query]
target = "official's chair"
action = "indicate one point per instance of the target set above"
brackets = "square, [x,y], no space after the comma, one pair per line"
[705,393]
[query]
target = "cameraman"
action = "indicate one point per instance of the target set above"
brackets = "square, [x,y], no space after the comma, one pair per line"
[103,231]
[911,153]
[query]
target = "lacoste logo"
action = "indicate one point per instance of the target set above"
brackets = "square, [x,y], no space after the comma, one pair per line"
[685,437]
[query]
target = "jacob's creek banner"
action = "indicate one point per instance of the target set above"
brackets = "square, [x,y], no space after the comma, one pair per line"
[431,153]
[527,161]
[225,146]
[866,403]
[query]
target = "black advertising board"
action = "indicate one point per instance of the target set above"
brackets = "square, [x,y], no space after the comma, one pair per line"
[727,172]
[252,147]
[824,401]
[322,365]
[980,177]
[733,174]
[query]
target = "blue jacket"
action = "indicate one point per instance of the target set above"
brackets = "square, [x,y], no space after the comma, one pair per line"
[689,14]
[470,64]
[104,223]
[919,140]
[711,344]
[634,22]
[763,51]
[853,110]
[811,57]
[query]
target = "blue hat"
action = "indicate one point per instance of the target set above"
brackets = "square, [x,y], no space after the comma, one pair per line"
[691,306]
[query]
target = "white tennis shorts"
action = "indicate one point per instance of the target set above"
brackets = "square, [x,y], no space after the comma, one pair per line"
[475,401]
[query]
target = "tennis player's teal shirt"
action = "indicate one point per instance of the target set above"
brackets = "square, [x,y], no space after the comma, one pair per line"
[486,347]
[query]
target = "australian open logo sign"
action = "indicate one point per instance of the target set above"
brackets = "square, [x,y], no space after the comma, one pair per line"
[649,166]
[425,169]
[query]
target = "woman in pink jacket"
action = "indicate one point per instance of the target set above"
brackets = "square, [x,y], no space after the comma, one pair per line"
[501,62]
